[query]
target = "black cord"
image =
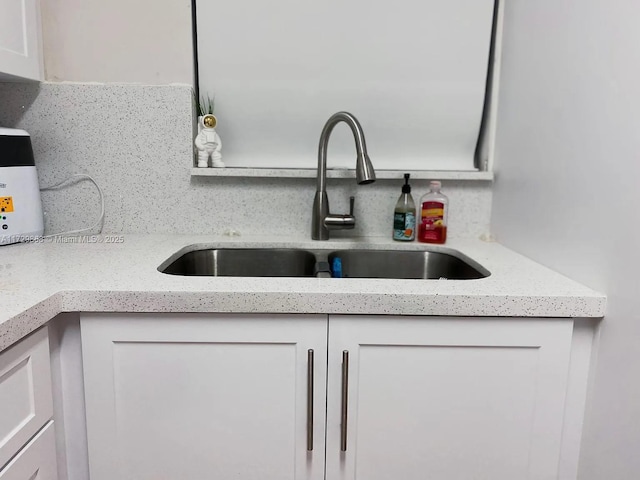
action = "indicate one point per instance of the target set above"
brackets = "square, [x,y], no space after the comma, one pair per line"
[194,36]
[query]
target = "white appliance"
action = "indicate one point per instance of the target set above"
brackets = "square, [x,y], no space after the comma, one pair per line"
[21,216]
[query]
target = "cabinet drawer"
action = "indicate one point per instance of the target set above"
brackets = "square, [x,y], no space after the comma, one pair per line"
[25,392]
[37,460]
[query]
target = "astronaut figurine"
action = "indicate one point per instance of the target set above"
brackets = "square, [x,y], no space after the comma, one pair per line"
[208,142]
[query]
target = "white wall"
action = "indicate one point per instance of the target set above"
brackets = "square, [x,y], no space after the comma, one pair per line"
[139,41]
[568,187]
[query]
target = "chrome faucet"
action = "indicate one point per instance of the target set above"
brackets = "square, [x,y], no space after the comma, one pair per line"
[322,220]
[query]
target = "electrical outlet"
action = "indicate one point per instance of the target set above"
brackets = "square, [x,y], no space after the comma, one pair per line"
[6,204]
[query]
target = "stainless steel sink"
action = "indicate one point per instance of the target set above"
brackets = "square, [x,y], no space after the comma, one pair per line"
[245,262]
[292,262]
[402,264]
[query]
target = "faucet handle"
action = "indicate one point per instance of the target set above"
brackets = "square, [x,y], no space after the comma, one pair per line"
[335,222]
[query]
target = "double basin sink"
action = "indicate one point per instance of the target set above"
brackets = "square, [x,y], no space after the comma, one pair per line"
[354,263]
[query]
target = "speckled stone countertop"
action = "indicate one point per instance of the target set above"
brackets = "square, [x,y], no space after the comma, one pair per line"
[40,280]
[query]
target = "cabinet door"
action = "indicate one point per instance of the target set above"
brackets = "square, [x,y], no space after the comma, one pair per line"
[447,399]
[204,397]
[20,39]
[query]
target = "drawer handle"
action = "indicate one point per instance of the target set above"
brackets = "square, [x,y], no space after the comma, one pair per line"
[345,400]
[310,382]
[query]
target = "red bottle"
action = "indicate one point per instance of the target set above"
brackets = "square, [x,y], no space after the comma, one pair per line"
[434,207]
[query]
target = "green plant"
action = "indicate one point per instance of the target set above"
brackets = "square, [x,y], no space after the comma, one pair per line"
[205,106]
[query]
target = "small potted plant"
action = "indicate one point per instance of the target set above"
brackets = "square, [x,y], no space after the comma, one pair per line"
[207,140]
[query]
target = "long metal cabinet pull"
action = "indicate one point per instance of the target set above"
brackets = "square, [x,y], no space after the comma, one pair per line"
[309,400]
[345,400]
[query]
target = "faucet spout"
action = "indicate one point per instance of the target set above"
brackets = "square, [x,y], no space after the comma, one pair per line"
[322,220]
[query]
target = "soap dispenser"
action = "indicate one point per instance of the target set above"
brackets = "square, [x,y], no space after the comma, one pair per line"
[404,215]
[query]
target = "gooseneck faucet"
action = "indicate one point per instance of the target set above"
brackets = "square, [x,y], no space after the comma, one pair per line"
[322,220]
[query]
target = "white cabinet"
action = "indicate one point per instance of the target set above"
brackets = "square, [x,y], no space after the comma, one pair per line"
[20,44]
[27,443]
[202,396]
[446,398]
[225,396]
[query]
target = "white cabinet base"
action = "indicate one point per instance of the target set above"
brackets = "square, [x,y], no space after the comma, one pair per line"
[225,396]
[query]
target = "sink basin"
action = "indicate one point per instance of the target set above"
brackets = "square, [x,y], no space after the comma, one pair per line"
[244,262]
[292,262]
[402,264]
